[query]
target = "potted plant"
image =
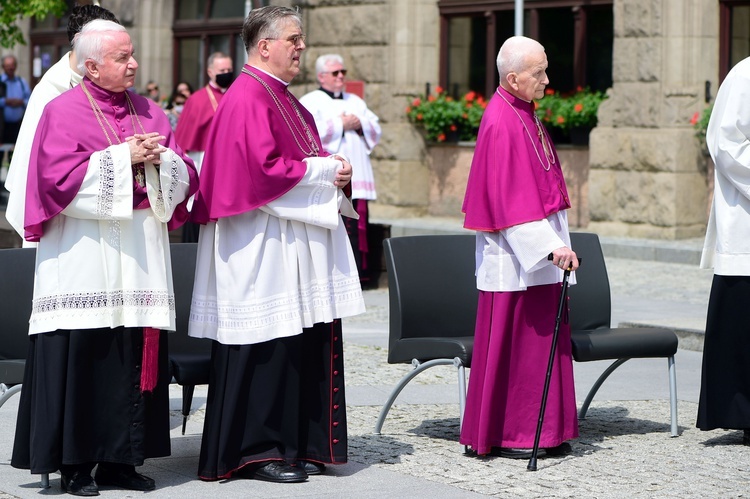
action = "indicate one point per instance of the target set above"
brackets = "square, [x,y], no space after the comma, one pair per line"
[444,118]
[573,114]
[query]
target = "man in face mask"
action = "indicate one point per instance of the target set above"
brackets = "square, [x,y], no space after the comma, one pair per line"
[195,120]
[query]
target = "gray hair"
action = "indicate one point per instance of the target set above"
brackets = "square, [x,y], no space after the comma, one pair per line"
[266,23]
[89,42]
[214,56]
[512,55]
[322,61]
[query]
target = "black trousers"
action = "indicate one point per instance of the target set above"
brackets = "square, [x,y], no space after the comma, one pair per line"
[278,400]
[725,378]
[81,401]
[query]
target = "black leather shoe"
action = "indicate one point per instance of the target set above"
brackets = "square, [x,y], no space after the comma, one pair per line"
[514,453]
[561,450]
[311,468]
[79,484]
[123,477]
[276,471]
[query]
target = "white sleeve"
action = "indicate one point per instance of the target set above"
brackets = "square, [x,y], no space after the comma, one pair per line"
[315,199]
[532,242]
[107,189]
[168,186]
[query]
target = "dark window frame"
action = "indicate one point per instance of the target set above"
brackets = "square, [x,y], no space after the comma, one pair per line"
[490,9]
[725,34]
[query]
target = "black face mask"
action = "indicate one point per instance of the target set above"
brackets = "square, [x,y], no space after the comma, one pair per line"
[224,79]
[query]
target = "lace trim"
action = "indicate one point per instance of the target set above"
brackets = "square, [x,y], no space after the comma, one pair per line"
[144,299]
[105,203]
[313,301]
[174,178]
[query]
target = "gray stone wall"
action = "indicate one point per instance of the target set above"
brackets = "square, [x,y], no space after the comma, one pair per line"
[647,174]
[392,46]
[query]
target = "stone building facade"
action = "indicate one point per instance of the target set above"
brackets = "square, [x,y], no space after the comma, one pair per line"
[646,174]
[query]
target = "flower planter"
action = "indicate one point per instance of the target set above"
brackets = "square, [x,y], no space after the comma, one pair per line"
[579,135]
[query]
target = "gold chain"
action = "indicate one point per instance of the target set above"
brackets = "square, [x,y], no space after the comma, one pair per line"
[288,119]
[542,137]
[138,169]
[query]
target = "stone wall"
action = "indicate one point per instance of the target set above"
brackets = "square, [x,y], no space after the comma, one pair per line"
[392,46]
[449,166]
[648,177]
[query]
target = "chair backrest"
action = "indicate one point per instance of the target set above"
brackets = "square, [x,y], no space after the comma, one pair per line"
[431,284]
[590,300]
[183,275]
[16,292]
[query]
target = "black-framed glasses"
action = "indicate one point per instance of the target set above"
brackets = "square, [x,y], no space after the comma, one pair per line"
[335,74]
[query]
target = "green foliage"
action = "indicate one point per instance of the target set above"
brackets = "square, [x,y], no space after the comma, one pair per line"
[441,116]
[12,11]
[570,111]
[700,124]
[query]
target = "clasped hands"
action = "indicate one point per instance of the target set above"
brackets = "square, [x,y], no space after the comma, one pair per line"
[145,147]
[344,175]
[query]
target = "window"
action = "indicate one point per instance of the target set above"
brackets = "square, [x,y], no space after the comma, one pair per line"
[734,37]
[48,38]
[202,27]
[577,35]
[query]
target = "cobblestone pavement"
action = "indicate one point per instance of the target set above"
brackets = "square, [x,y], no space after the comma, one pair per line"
[624,448]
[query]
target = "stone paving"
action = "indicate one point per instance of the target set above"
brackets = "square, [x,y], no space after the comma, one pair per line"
[624,449]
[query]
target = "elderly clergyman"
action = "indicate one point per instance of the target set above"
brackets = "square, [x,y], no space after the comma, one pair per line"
[106,181]
[516,201]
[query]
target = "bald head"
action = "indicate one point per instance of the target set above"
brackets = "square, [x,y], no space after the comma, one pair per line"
[522,66]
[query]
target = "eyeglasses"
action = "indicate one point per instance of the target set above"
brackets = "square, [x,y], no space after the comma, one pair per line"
[152,89]
[295,39]
[335,74]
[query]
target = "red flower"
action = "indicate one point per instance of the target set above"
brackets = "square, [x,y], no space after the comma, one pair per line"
[438,89]
[449,99]
[431,98]
[560,119]
[465,116]
[441,137]
[578,107]
[408,109]
[549,91]
[416,102]
[419,117]
[470,96]
[454,128]
[536,105]
[695,118]
[579,88]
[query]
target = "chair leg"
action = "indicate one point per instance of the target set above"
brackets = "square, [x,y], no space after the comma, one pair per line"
[585,407]
[187,401]
[45,480]
[673,396]
[461,395]
[6,393]
[418,368]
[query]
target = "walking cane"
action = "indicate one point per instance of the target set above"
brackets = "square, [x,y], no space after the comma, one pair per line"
[561,306]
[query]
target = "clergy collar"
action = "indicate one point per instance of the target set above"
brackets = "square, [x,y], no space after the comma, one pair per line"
[331,94]
[269,74]
[102,94]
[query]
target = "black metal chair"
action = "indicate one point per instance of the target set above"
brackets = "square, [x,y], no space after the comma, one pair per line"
[592,335]
[17,267]
[433,305]
[16,292]
[189,358]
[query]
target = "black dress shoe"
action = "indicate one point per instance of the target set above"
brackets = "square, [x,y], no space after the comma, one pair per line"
[515,453]
[79,484]
[561,450]
[123,476]
[311,468]
[275,471]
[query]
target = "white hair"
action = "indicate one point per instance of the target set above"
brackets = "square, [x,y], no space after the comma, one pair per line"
[322,61]
[89,42]
[512,55]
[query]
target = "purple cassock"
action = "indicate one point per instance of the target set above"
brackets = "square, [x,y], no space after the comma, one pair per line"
[514,180]
[66,158]
[281,399]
